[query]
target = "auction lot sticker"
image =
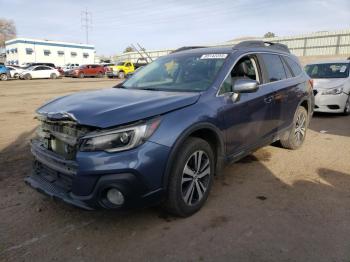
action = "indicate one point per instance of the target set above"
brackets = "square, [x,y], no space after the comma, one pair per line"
[214,56]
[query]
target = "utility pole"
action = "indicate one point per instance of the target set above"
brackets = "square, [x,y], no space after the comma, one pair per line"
[86,23]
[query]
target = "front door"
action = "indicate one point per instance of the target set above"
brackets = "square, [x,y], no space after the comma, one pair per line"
[247,116]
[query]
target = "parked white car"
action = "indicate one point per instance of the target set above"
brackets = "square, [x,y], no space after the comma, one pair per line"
[14,71]
[331,86]
[69,67]
[40,71]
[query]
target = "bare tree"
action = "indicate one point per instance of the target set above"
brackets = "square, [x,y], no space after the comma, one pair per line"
[128,49]
[7,31]
[269,35]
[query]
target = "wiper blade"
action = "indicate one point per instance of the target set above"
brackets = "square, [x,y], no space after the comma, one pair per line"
[149,88]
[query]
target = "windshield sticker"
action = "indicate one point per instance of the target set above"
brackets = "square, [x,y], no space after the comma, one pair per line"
[214,56]
[342,69]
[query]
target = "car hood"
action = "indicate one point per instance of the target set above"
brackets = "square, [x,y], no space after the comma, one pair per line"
[328,83]
[115,106]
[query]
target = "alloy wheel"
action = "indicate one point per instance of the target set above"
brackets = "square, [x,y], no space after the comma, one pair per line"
[195,177]
[300,128]
[347,106]
[3,77]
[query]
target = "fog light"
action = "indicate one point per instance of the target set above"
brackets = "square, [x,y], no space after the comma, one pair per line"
[115,196]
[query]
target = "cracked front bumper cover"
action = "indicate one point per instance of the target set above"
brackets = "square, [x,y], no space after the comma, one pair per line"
[53,190]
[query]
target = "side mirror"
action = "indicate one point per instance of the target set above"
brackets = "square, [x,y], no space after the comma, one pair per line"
[245,85]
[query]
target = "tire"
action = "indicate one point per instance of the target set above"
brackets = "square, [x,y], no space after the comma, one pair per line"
[28,77]
[53,76]
[16,76]
[121,75]
[100,75]
[81,75]
[295,137]
[4,77]
[183,198]
[347,106]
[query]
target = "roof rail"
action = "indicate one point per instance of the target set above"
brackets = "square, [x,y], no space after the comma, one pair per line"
[257,43]
[184,48]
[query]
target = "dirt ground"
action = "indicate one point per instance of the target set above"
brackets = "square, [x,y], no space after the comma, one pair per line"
[275,205]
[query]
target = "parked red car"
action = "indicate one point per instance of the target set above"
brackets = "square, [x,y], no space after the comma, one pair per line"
[88,70]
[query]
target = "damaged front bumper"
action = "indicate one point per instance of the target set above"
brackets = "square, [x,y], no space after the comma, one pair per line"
[83,182]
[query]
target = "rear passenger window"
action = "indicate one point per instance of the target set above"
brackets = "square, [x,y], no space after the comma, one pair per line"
[274,67]
[294,66]
[287,68]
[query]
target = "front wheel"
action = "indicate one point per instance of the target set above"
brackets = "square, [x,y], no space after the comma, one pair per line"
[53,76]
[191,178]
[347,106]
[28,77]
[295,137]
[81,75]
[121,75]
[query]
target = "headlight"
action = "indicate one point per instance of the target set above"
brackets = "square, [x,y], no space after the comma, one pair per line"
[333,91]
[119,139]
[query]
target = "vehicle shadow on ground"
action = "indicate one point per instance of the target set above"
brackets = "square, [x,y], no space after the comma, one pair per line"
[336,124]
[251,215]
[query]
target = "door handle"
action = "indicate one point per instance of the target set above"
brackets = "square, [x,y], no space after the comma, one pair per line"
[268,99]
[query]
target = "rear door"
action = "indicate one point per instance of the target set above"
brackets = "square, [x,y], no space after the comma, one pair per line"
[248,117]
[46,72]
[88,70]
[278,76]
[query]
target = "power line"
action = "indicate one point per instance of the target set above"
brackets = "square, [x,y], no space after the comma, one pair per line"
[86,23]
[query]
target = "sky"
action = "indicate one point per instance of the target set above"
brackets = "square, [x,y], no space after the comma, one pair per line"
[161,24]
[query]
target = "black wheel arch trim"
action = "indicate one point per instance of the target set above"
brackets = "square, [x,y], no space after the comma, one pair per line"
[181,139]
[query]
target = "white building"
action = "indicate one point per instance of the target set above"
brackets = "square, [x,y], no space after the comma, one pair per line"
[20,51]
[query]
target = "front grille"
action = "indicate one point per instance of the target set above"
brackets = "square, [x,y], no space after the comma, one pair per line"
[57,179]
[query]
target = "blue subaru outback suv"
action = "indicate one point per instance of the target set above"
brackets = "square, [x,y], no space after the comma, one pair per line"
[161,135]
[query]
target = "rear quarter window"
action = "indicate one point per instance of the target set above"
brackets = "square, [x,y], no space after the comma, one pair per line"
[274,67]
[296,69]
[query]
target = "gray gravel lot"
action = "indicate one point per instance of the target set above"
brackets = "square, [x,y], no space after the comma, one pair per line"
[274,205]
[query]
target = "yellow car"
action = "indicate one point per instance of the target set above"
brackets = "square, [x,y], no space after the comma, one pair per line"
[120,70]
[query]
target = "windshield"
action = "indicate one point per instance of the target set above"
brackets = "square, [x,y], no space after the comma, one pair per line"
[190,72]
[120,63]
[329,70]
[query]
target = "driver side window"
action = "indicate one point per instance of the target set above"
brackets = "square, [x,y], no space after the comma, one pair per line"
[246,67]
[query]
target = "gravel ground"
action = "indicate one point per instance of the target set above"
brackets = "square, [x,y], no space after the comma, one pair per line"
[274,205]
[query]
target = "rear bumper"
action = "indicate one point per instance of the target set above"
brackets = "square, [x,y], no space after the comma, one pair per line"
[112,73]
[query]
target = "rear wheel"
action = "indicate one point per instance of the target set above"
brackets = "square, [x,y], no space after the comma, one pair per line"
[81,75]
[347,106]
[295,137]
[16,76]
[100,75]
[3,77]
[53,76]
[121,75]
[191,178]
